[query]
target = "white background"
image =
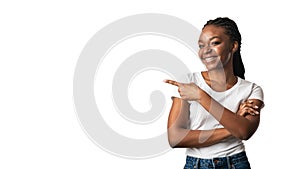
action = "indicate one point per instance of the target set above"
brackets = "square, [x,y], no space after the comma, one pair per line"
[40,42]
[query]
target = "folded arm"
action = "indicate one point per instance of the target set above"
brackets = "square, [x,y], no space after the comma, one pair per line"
[242,127]
[240,124]
[179,134]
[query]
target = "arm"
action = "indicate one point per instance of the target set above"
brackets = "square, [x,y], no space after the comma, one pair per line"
[180,136]
[242,127]
[239,124]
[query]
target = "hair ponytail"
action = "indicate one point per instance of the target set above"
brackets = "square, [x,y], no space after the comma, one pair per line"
[238,66]
[232,31]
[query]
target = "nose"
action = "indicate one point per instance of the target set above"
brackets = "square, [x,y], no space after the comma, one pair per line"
[207,50]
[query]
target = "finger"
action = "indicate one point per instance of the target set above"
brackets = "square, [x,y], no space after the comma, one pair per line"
[252,111]
[251,105]
[172,82]
[243,105]
[244,113]
[252,114]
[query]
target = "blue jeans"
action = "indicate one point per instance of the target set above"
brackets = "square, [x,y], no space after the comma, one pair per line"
[237,161]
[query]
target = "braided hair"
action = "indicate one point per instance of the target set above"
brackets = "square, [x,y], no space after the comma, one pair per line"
[232,31]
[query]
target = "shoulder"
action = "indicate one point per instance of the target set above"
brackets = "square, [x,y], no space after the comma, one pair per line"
[255,91]
[252,85]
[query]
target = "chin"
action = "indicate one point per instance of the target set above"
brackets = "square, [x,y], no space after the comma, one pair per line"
[214,67]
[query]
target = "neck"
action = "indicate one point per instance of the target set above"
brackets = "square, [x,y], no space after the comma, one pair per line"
[221,75]
[220,79]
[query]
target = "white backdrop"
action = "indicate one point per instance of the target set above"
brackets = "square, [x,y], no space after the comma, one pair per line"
[40,43]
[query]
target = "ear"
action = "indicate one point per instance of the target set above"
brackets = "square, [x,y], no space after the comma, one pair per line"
[235,46]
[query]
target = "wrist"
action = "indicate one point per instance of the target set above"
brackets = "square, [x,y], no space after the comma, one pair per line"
[200,94]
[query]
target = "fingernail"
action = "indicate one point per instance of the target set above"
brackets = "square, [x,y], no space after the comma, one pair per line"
[256,112]
[256,107]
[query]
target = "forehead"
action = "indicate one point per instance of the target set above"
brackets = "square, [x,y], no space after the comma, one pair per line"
[210,31]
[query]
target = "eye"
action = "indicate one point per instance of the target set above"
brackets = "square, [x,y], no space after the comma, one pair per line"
[214,43]
[201,46]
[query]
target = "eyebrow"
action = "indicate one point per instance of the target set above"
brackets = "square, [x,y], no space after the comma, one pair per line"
[214,37]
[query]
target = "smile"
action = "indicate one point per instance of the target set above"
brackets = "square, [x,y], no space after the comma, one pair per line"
[209,59]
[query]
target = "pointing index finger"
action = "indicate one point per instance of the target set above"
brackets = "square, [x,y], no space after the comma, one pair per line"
[172,82]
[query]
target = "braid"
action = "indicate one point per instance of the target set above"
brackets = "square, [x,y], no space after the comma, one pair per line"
[232,31]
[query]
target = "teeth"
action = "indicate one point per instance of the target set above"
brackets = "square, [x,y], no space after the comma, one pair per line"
[209,59]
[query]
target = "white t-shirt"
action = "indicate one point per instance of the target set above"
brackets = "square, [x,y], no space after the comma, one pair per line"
[200,119]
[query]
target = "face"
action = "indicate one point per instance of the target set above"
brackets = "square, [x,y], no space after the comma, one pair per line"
[216,49]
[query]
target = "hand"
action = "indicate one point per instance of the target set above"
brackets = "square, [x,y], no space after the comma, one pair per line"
[248,108]
[187,91]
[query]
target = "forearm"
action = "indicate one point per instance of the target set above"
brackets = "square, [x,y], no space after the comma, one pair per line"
[238,126]
[184,138]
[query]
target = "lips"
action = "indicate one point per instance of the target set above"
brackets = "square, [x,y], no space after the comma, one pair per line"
[209,59]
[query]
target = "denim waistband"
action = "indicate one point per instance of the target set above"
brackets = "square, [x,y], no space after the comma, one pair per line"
[219,162]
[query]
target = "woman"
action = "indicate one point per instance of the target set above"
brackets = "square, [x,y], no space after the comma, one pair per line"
[218,108]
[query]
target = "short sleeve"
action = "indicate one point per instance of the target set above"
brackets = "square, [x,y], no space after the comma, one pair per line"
[257,93]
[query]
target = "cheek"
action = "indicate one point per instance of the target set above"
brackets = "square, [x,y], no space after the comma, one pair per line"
[217,51]
[222,51]
[200,52]
[211,51]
